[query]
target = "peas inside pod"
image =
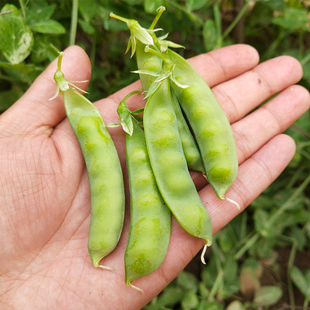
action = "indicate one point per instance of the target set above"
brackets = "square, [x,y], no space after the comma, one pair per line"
[181,128]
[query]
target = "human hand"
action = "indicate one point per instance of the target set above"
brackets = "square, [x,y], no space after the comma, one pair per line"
[44,189]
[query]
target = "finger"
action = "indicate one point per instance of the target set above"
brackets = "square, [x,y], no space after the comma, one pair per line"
[273,118]
[215,67]
[225,63]
[33,109]
[242,94]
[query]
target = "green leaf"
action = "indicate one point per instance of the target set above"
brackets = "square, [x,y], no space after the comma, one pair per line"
[87,27]
[273,5]
[16,38]
[293,19]
[88,9]
[227,239]
[306,70]
[235,305]
[133,2]
[7,98]
[41,48]
[261,221]
[189,301]
[38,14]
[11,7]
[209,34]
[228,289]
[26,68]
[230,270]
[301,282]
[187,281]
[210,305]
[209,272]
[170,296]
[267,295]
[300,237]
[193,5]
[49,26]
[203,291]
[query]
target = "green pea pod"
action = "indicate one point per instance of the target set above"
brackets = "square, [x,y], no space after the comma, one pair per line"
[150,63]
[149,67]
[190,148]
[103,167]
[209,123]
[150,218]
[169,164]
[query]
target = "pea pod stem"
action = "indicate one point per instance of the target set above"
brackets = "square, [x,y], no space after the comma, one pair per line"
[160,11]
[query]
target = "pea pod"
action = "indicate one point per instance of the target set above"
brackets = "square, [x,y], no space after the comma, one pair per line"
[150,218]
[169,164]
[103,167]
[149,67]
[209,124]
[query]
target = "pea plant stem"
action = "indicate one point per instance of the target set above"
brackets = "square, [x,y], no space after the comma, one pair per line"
[289,268]
[301,44]
[295,177]
[22,7]
[248,245]
[236,20]
[93,49]
[289,202]
[273,218]
[74,18]
[216,286]
[305,60]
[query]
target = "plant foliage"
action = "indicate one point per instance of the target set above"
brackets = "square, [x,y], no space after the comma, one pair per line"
[255,262]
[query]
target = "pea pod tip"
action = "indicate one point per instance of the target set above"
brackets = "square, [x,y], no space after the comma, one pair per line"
[202,257]
[136,288]
[233,202]
[106,267]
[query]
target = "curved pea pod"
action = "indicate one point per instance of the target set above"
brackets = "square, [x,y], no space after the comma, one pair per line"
[105,175]
[150,218]
[103,167]
[190,148]
[209,123]
[149,67]
[152,64]
[169,164]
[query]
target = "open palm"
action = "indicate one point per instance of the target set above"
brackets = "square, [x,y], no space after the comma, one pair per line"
[44,189]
